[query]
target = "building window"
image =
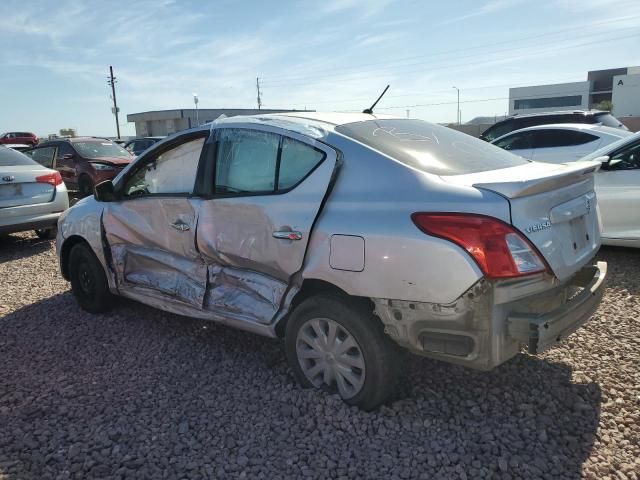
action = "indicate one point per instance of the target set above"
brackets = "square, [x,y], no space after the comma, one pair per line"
[569,101]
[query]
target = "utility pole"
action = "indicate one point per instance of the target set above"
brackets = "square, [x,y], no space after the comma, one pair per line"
[259,93]
[112,82]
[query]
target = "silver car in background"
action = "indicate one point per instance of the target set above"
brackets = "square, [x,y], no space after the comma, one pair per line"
[353,237]
[32,197]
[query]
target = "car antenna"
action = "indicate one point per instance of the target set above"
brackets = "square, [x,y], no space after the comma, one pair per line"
[370,109]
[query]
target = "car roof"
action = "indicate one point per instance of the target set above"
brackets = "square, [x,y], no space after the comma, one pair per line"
[557,112]
[304,118]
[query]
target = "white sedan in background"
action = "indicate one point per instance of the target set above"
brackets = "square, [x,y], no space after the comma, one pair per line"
[559,143]
[618,191]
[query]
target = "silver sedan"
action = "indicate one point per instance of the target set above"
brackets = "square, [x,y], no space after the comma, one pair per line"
[354,237]
[32,197]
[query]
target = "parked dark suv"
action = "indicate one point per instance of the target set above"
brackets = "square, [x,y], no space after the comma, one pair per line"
[517,122]
[82,161]
[19,138]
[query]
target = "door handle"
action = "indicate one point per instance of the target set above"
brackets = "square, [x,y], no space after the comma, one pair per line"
[180,225]
[288,235]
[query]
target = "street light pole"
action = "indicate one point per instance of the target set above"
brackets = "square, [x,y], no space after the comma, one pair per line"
[195,100]
[458,109]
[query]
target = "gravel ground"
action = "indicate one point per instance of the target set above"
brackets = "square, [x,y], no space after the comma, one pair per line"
[139,393]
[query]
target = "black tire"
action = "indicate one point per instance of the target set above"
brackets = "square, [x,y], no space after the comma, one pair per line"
[379,353]
[88,280]
[85,186]
[47,233]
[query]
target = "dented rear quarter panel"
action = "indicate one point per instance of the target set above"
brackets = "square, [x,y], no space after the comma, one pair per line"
[374,197]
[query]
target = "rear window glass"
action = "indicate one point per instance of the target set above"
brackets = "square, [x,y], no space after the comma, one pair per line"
[10,158]
[430,148]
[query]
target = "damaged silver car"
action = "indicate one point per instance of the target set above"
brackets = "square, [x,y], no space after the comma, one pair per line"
[354,237]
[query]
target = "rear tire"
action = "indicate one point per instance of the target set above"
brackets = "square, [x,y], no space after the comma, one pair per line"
[85,186]
[336,343]
[88,280]
[47,233]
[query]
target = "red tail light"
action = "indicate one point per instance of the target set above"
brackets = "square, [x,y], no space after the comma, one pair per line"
[53,178]
[499,250]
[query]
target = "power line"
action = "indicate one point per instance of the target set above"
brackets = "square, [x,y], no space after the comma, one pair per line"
[413,57]
[358,76]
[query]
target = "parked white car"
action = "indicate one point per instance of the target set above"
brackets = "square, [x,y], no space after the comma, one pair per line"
[32,197]
[618,190]
[559,143]
[349,235]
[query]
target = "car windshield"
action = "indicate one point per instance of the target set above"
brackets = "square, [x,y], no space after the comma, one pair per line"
[100,149]
[11,158]
[612,147]
[430,148]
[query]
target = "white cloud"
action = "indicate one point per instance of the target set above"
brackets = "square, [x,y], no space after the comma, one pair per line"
[491,6]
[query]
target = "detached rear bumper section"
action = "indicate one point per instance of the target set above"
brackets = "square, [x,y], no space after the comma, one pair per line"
[540,332]
[492,321]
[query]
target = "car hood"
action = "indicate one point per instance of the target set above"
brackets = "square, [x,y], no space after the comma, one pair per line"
[114,160]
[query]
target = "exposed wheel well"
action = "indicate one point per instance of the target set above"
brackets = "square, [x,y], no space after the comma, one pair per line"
[311,287]
[68,244]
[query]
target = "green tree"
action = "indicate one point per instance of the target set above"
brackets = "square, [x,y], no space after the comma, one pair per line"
[605,105]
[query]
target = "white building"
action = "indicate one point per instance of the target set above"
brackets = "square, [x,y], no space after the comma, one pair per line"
[621,86]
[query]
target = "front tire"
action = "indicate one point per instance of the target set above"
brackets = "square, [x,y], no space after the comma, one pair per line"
[336,343]
[88,280]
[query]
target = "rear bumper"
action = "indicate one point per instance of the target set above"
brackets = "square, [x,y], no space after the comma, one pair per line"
[23,224]
[492,321]
[540,332]
[32,217]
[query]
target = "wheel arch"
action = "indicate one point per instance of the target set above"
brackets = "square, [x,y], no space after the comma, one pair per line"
[311,287]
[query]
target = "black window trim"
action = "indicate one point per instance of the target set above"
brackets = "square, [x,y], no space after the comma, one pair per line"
[208,186]
[151,155]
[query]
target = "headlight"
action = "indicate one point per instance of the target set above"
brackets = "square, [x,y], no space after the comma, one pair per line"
[102,166]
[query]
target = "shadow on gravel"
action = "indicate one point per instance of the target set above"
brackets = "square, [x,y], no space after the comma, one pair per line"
[146,394]
[16,247]
[620,262]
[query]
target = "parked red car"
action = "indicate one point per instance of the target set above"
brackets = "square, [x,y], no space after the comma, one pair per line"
[25,138]
[82,161]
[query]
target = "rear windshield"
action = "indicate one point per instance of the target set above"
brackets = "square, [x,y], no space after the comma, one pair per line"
[100,149]
[430,148]
[609,120]
[11,158]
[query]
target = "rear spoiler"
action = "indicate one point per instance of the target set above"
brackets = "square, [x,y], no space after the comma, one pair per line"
[529,179]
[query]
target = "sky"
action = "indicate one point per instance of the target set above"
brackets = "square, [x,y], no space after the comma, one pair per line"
[322,55]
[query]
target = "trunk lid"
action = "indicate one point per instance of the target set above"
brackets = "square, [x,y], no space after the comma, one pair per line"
[18,186]
[553,205]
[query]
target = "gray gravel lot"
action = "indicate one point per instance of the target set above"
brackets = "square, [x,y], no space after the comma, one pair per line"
[139,393]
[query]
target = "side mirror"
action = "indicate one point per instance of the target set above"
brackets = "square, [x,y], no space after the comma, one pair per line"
[602,159]
[104,191]
[67,156]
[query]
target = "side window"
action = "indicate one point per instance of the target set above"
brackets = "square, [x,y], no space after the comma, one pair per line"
[297,160]
[131,146]
[44,156]
[627,159]
[173,171]
[65,149]
[561,138]
[518,141]
[498,130]
[246,161]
